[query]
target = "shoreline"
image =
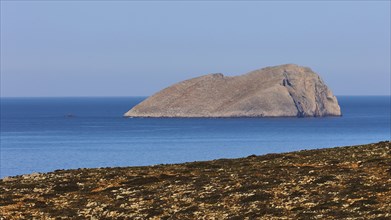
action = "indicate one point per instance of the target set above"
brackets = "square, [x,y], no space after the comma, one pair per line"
[24,175]
[340,182]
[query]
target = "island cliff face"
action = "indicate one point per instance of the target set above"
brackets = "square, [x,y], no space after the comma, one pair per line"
[280,91]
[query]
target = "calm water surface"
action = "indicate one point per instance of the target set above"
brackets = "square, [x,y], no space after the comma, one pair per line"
[37,137]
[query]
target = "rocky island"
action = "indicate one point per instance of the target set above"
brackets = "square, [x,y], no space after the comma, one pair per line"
[280,91]
[336,183]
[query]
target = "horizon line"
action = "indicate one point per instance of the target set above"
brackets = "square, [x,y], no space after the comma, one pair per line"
[138,96]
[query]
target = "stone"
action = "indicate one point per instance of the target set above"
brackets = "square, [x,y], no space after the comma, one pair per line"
[280,91]
[260,187]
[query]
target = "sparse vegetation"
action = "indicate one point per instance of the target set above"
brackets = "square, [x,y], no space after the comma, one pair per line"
[337,183]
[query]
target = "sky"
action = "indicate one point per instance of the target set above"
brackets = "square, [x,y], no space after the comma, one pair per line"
[134,48]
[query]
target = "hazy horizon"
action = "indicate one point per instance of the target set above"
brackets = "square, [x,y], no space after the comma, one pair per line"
[145,96]
[134,49]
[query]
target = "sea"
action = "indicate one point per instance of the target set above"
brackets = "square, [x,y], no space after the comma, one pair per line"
[47,134]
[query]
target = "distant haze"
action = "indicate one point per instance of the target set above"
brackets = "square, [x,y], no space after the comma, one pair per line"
[134,48]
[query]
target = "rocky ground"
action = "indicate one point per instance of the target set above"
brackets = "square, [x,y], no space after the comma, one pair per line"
[337,183]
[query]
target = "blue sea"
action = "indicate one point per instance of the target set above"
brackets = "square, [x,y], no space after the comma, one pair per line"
[45,134]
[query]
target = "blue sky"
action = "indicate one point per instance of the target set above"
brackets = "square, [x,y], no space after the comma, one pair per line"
[128,48]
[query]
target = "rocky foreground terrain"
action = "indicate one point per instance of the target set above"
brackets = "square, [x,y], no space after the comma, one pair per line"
[337,183]
[286,90]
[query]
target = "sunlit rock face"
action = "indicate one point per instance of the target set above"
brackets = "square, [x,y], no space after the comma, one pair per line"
[279,91]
